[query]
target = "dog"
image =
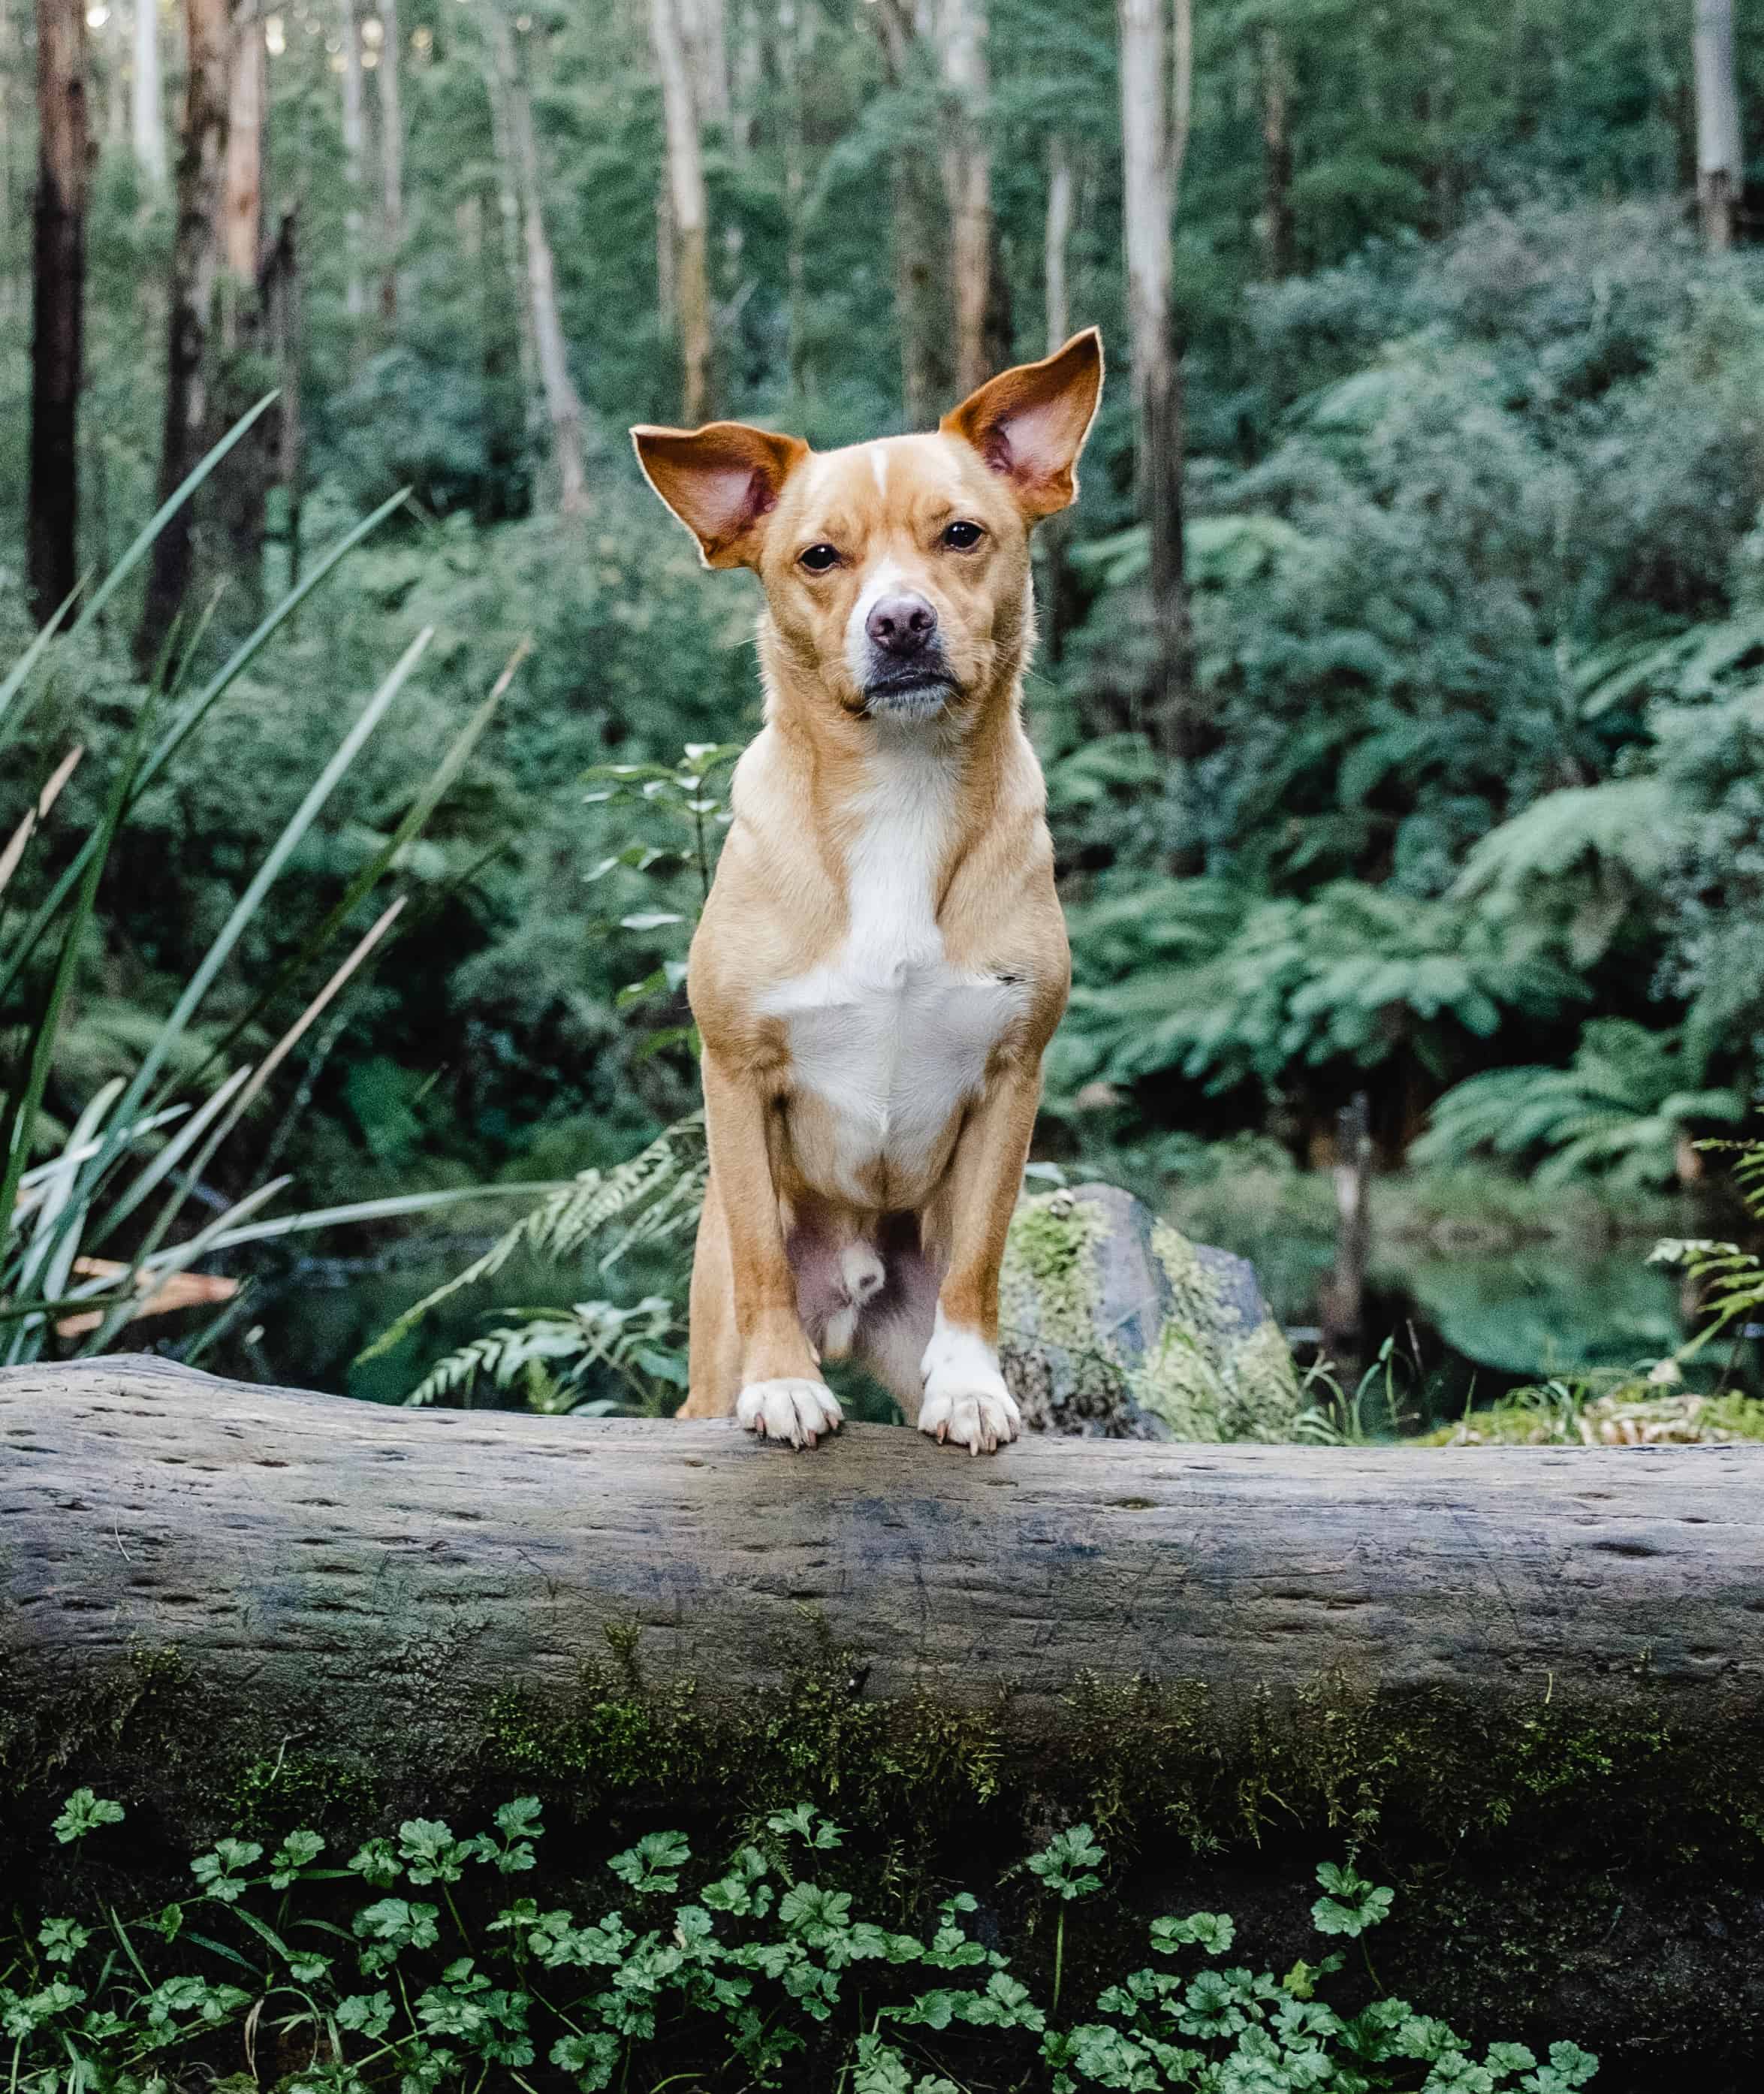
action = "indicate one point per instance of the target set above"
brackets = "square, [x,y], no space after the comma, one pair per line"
[882,959]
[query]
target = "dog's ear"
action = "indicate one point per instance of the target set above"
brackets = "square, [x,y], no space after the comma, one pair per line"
[722,482]
[1030,424]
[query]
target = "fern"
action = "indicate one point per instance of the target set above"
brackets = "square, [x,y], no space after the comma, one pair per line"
[1732,1277]
[654,1195]
[553,1351]
[1618,1110]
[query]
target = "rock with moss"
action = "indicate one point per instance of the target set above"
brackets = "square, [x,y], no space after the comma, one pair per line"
[1115,1326]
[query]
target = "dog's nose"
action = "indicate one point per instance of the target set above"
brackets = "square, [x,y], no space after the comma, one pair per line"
[901,624]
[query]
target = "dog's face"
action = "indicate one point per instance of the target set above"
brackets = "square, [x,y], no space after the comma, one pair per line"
[896,572]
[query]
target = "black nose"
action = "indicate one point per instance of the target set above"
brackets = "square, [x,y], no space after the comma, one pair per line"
[901,624]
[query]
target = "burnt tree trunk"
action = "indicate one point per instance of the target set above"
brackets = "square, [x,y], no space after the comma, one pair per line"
[195,261]
[58,329]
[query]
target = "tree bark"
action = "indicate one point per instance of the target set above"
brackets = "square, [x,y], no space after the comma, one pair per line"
[281,302]
[1276,156]
[920,233]
[562,406]
[1157,377]
[389,76]
[1719,158]
[792,37]
[967,183]
[354,297]
[148,123]
[690,207]
[57,317]
[195,260]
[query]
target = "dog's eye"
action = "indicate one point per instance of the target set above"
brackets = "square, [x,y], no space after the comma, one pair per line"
[962,537]
[819,558]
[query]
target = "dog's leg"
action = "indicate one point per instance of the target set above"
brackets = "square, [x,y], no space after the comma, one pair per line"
[965,1397]
[714,1378]
[782,1395]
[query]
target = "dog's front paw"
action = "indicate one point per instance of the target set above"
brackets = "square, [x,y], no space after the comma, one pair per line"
[981,1420]
[798,1411]
[965,1399]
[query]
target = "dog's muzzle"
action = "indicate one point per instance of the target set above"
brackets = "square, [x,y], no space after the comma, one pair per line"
[910,676]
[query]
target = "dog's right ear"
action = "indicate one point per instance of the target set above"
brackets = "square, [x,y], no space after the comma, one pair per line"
[722,482]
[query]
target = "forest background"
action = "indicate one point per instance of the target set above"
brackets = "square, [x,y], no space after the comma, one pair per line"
[1400,684]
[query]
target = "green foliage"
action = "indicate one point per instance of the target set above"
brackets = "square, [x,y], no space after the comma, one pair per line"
[754,1967]
[1620,1109]
[1731,1277]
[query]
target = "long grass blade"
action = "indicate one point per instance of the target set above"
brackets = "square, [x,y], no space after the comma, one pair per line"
[390,1209]
[416,819]
[32,654]
[38,811]
[16,1151]
[190,718]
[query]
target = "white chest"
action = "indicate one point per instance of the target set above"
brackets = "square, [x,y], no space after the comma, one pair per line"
[889,1037]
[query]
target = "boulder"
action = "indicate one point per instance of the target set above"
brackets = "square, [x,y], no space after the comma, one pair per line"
[1115,1325]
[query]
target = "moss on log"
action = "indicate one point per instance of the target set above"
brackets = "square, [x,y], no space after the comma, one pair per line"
[1531,1682]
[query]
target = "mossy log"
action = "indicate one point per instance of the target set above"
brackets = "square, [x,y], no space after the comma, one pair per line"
[1528,1683]
[321,1562]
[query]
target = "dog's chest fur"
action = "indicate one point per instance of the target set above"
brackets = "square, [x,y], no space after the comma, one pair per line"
[888,1039]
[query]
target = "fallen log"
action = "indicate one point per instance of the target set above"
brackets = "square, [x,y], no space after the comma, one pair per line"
[218,1598]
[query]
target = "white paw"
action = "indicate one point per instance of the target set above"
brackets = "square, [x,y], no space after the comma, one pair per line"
[798,1411]
[965,1399]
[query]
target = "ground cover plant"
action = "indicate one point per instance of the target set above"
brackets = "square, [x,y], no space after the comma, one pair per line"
[414,1963]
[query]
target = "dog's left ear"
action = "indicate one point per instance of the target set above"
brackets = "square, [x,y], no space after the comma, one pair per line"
[722,482]
[1030,424]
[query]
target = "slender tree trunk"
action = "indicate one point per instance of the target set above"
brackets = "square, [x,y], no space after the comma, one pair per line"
[920,233]
[1056,247]
[242,196]
[562,407]
[57,319]
[792,37]
[5,155]
[149,121]
[709,44]
[1181,92]
[391,157]
[1718,163]
[195,257]
[967,181]
[686,193]
[1157,377]
[1276,157]
[509,220]
[238,493]
[746,82]
[281,308]
[354,297]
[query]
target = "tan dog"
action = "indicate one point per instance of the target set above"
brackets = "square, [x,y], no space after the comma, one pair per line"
[882,960]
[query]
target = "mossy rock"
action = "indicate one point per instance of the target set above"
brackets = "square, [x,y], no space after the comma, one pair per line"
[1115,1325]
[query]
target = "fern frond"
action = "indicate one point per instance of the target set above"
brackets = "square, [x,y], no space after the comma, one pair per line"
[660,1189]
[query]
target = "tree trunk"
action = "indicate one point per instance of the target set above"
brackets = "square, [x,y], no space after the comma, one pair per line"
[1181,93]
[920,232]
[391,158]
[967,183]
[690,211]
[149,121]
[195,259]
[242,193]
[57,318]
[281,308]
[1157,378]
[562,407]
[791,35]
[1056,255]
[516,297]
[708,42]
[1718,157]
[1276,157]
[354,297]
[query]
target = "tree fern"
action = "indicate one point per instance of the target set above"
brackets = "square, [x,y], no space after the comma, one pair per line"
[1732,1278]
[552,1352]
